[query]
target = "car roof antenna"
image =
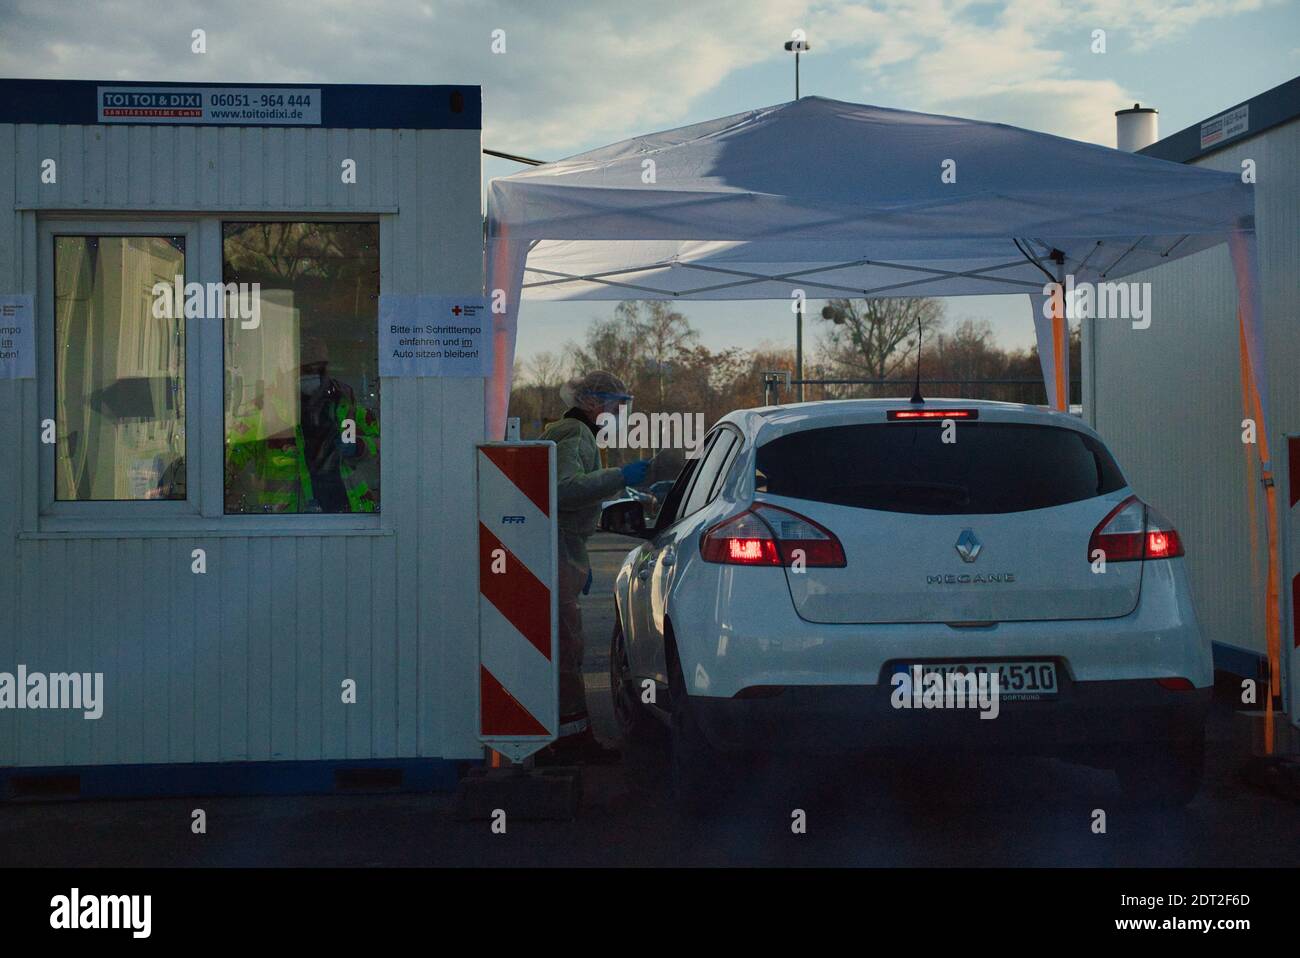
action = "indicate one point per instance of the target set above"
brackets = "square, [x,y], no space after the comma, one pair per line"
[916,391]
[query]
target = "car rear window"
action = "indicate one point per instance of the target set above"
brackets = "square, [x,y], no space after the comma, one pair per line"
[992,467]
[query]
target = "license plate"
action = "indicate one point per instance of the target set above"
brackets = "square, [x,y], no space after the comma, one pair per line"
[1017,681]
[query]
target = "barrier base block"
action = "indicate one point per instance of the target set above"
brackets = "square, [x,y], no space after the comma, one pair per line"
[523,794]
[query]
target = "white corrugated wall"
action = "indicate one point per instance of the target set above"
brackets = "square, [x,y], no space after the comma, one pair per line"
[1168,398]
[245,663]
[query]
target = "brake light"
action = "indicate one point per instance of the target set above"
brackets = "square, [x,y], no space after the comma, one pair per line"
[1133,531]
[747,550]
[742,540]
[768,535]
[897,414]
[1162,541]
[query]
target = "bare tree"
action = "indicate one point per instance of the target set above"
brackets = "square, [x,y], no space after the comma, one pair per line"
[697,379]
[666,337]
[547,370]
[613,344]
[876,338]
[643,343]
[969,353]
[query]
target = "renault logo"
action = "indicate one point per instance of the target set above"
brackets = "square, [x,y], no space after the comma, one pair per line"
[968,546]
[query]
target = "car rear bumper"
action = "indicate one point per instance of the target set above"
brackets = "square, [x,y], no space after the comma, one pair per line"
[1085,717]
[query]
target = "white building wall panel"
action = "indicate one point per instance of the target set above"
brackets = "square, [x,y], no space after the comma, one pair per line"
[214,168]
[1168,398]
[245,663]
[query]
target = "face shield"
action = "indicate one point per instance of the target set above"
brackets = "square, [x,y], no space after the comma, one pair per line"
[611,402]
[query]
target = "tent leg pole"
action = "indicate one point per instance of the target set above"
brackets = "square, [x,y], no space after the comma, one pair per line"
[1061,337]
[1088,369]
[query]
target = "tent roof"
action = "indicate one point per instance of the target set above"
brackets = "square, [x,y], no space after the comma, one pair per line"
[843,199]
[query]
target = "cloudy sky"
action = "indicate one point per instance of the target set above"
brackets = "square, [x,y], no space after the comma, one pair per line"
[577,74]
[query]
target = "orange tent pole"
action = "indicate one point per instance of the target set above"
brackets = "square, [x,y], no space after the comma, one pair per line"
[1245,265]
[1272,603]
[1272,607]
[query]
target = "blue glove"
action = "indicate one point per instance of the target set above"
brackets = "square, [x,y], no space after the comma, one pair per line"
[587,587]
[634,472]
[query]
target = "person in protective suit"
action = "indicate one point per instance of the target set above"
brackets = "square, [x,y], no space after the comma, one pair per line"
[309,466]
[582,483]
[334,432]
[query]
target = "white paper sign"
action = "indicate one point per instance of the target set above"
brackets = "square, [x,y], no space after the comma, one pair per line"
[434,336]
[17,337]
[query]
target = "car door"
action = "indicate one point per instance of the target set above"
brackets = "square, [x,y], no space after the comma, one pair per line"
[640,636]
[704,488]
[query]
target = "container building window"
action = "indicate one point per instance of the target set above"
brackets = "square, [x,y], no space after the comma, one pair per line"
[119,370]
[301,378]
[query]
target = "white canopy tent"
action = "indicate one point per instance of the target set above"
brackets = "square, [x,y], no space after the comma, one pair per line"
[842,199]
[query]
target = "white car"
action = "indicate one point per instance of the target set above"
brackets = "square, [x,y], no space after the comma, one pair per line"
[818,558]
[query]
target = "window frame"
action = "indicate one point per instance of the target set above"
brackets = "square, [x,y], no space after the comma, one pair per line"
[724,467]
[668,512]
[220,490]
[49,231]
[203,509]
[709,442]
[724,471]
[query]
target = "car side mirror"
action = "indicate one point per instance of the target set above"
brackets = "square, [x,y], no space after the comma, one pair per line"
[626,517]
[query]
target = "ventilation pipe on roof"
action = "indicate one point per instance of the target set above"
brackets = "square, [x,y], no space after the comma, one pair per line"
[1136,128]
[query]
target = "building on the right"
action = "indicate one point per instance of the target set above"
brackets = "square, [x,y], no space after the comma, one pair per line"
[1169,397]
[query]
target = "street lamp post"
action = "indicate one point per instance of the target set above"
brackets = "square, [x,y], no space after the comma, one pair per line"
[798,346]
[797,47]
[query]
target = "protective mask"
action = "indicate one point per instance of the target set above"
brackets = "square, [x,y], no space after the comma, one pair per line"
[309,384]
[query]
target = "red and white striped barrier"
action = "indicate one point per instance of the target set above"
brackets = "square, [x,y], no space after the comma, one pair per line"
[518,609]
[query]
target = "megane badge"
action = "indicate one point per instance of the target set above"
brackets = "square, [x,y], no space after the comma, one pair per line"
[968,546]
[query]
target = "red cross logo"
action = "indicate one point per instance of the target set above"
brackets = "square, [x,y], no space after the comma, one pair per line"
[456,310]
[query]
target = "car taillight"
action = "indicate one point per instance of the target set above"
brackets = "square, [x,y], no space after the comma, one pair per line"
[1162,540]
[1132,531]
[768,535]
[798,537]
[742,540]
